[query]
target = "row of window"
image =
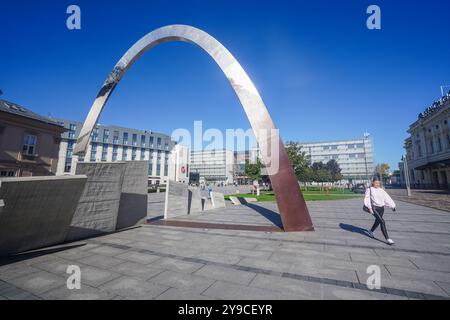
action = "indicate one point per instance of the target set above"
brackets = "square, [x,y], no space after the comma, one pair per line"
[125,139]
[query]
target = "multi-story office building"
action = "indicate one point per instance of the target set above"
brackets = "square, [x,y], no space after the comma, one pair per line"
[354,156]
[29,142]
[214,166]
[112,143]
[428,147]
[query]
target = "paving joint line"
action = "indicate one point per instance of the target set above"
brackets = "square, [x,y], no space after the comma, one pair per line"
[313,279]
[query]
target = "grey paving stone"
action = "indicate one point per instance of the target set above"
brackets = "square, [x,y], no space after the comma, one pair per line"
[248,253]
[220,258]
[134,288]
[177,294]
[95,277]
[137,270]
[183,281]
[84,293]
[139,257]
[10,272]
[107,251]
[176,265]
[410,273]
[38,282]
[101,261]
[230,291]
[226,274]
[445,286]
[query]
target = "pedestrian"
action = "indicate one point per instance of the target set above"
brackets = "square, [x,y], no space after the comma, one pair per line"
[375,200]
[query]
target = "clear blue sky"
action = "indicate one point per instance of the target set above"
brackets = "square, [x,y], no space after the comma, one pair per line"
[321,72]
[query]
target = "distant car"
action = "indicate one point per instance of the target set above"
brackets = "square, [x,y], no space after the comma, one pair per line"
[359,188]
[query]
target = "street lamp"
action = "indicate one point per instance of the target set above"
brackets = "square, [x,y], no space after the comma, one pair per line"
[405,168]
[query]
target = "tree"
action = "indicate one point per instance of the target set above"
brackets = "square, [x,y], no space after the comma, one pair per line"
[321,173]
[300,161]
[334,169]
[382,171]
[253,170]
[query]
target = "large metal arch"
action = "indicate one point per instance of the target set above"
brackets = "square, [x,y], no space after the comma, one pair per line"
[291,204]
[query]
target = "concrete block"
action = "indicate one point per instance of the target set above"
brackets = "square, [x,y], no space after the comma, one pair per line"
[195,203]
[98,208]
[37,211]
[133,200]
[217,200]
[177,199]
[235,201]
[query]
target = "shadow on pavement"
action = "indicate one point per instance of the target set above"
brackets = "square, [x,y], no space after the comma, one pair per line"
[270,215]
[355,229]
[5,260]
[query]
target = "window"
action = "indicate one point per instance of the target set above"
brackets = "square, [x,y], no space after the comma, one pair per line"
[104,151]
[116,137]
[73,127]
[133,153]
[159,143]
[134,139]
[125,138]
[166,146]
[7,173]
[439,144]
[150,168]
[431,146]
[29,145]
[69,151]
[124,153]
[105,135]
[95,135]
[142,154]
[93,152]
[151,142]
[143,141]
[114,153]
[158,169]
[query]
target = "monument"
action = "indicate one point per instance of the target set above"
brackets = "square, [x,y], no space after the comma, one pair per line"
[291,204]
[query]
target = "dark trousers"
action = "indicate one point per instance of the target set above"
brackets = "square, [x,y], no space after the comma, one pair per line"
[378,214]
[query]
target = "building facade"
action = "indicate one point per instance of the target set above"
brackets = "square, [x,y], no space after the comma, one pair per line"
[29,142]
[428,147]
[213,166]
[113,143]
[354,156]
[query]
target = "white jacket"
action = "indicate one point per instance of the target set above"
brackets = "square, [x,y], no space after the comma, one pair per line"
[380,198]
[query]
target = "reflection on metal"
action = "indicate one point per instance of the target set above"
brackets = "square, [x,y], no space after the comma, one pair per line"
[291,204]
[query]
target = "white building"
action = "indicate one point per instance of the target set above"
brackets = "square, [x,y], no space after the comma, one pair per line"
[354,156]
[213,165]
[112,143]
[428,147]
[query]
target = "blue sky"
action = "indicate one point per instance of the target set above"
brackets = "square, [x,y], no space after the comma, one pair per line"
[322,74]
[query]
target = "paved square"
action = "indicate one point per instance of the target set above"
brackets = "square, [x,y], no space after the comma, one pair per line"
[161,262]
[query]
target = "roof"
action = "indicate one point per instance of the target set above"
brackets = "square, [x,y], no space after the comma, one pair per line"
[13,108]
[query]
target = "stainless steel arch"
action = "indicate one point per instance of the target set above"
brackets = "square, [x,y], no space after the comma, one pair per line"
[290,201]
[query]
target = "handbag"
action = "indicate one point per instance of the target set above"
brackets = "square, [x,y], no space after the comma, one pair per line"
[365,208]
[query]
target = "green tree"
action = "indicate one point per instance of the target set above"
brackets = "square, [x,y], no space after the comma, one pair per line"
[382,171]
[334,170]
[253,170]
[300,161]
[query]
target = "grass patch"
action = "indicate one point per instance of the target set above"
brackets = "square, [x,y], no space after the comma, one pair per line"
[308,195]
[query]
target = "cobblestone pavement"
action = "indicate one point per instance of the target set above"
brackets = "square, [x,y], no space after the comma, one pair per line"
[159,262]
[437,199]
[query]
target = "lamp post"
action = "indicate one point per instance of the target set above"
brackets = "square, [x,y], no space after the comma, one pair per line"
[405,168]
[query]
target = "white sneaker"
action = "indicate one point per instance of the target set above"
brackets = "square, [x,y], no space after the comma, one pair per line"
[370,233]
[390,241]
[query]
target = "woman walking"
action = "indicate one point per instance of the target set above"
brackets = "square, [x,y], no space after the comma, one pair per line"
[374,202]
